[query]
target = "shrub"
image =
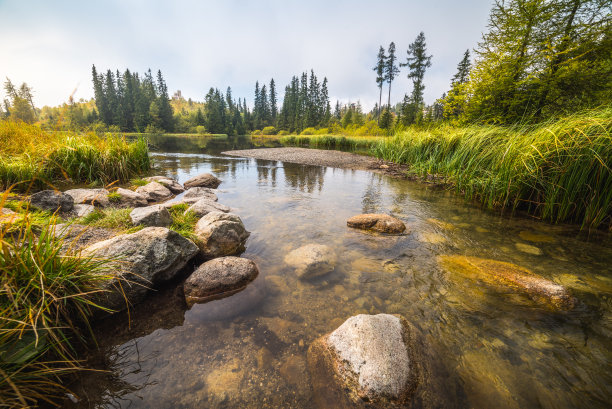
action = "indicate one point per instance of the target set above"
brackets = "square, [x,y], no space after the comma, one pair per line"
[283,133]
[201,130]
[308,131]
[269,130]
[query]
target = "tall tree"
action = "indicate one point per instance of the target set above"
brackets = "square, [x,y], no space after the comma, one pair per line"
[417,62]
[463,69]
[391,69]
[380,76]
[273,103]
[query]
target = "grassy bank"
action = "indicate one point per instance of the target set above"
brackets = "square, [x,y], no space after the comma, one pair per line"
[44,312]
[353,143]
[28,153]
[558,171]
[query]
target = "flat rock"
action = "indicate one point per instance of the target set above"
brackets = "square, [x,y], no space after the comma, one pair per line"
[499,273]
[203,180]
[221,234]
[172,185]
[199,193]
[95,197]
[78,236]
[204,206]
[381,223]
[83,210]
[129,198]
[219,278]
[141,260]
[369,358]
[52,201]
[154,192]
[312,260]
[155,215]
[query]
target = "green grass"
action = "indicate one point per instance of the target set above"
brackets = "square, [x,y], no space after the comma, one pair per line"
[139,182]
[353,143]
[110,218]
[114,197]
[183,223]
[28,153]
[45,305]
[559,171]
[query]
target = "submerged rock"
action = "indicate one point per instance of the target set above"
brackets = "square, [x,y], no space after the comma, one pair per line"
[129,198]
[142,260]
[172,185]
[529,249]
[52,201]
[95,197]
[381,223]
[536,237]
[204,206]
[219,278]
[221,234]
[203,180]
[154,192]
[510,275]
[369,361]
[312,260]
[155,215]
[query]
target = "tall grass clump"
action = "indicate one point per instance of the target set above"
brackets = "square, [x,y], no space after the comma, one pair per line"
[559,171]
[45,304]
[28,153]
[350,143]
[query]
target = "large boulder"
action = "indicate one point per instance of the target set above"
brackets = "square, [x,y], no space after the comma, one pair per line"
[381,223]
[221,234]
[197,193]
[204,206]
[155,215]
[141,260]
[369,361]
[95,197]
[172,185]
[129,198]
[52,201]
[203,180]
[219,278]
[312,260]
[508,275]
[76,237]
[154,192]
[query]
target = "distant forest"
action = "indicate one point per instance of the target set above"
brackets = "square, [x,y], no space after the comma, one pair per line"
[538,60]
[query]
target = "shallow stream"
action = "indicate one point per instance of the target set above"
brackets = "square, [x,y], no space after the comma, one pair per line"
[498,347]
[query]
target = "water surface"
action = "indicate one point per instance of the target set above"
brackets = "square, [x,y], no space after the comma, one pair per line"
[498,348]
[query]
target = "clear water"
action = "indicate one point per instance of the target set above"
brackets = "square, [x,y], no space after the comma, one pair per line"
[499,348]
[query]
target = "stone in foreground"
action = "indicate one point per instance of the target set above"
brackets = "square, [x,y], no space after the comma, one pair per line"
[203,180]
[95,197]
[172,185]
[312,260]
[154,192]
[142,260]
[194,194]
[156,215]
[369,361]
[129,198]
[83,210]
[221,234]
[499,273]
[219,278]
[52,201]
[204,206]
[381,223]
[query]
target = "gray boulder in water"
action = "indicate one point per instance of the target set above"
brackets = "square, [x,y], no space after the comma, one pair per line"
[221,234]
[203,180]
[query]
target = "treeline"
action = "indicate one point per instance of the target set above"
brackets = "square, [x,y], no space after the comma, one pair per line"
[132,103]
[20,104]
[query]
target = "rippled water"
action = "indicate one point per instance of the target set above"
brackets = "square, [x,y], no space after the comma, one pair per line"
[497,348]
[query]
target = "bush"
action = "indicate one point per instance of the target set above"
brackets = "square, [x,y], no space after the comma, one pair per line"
[283,133]
[308,131]
[201,130]
[269,130]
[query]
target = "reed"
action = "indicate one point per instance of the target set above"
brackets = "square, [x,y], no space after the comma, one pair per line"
[351,143]
[559,171]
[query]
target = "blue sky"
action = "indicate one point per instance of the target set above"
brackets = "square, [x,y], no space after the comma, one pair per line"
[51,45]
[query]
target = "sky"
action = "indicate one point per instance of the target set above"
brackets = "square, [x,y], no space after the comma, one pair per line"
[51,45]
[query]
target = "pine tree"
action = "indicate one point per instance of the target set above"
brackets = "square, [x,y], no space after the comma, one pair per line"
[273,103]
[380,76]
[391,69]
[257,108]
[417,62]
[325,106]
[463,70]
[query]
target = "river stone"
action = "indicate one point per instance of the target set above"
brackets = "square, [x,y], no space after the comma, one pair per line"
[499,273]
[312,260]
[203,180]
[381,223]
[52,201]
[95,197]
[219,278]
[83,210]
[6,212]
[221,234]
[151,216]
[142,260]
[369,361]
[78,236]
[204,206]
[154,192]
[529,249]
[196,193]
[172,185]
[129,198]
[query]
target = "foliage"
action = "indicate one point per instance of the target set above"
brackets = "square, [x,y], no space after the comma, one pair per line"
[417,62]
[110,218]
[559,170]
[184,222]
[269,130]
